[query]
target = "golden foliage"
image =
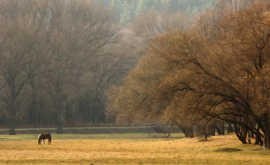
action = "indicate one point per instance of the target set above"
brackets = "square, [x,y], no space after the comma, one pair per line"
[189,77]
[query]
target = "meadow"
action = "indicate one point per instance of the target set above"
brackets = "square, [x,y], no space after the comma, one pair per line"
[129,148]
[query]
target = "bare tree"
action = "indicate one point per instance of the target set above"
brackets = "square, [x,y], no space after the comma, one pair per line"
[81,30]
[50,45]
[151,23]
[23,52]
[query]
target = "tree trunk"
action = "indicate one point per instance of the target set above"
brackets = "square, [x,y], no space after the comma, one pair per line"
[201,132]
[241,133]
[11,123]
[61,115]
[258,140]
[230,129]
[218,130]
[60,122]
[267,141]
[267,134]
[33,113]
[33,108]
[244,132]
[188,131]
[212,130]
[222,129]
[250,134]
[168,135]
[60,128]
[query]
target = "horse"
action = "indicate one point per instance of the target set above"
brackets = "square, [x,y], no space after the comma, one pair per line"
[44,136]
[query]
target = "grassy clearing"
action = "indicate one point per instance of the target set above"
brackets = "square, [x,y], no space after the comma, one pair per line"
[128,149]
[130,136]
[89,130]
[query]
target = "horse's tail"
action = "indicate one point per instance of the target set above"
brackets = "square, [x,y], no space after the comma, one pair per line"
[49,138]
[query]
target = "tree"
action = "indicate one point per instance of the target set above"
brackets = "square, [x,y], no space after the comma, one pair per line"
[81,30]
[50,46]
[151,23]
[201,81]
[23,52]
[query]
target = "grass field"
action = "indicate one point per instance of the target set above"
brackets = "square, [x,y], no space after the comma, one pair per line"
[129,148]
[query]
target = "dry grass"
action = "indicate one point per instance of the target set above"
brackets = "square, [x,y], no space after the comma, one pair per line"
[132,151]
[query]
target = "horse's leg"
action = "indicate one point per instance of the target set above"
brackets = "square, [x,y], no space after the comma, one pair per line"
[44,141]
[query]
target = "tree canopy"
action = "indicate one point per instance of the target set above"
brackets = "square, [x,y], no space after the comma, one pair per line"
[217,70]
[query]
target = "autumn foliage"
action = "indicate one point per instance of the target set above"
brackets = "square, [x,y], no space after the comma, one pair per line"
[215,71]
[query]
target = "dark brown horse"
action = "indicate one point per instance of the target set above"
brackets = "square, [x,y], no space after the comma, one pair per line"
[44,136]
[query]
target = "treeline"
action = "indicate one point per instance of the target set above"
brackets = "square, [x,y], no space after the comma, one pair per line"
[215,71]
[128,10]
[57,60]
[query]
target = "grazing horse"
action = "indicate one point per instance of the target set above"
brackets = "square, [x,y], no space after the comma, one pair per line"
[44,136]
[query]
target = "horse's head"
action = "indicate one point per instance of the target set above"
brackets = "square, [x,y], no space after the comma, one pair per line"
[40,138]
[39,141]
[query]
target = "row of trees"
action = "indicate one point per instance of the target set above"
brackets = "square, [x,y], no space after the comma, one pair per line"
[55,63]
[58,58]
[213,72]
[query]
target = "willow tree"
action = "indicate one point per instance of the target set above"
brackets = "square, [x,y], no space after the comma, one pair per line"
[185,77]
[246,34]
